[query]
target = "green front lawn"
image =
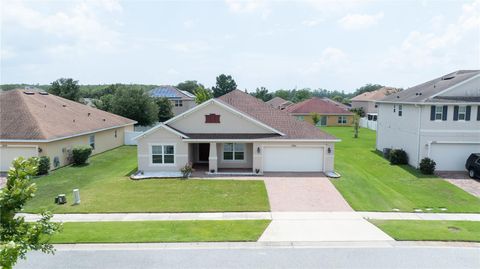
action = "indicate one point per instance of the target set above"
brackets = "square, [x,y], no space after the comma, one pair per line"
[370,183]
[161,231]
[105,187]
[430,230]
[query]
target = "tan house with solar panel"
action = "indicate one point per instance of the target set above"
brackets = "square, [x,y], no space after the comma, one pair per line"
[34,124]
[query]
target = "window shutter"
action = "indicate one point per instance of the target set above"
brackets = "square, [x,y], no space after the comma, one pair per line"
[455,113]
[445,111]
[478,112]
[468,110]
[432,113]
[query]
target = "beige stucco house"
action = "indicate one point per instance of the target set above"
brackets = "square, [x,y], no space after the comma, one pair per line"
[34,124]
[235,132]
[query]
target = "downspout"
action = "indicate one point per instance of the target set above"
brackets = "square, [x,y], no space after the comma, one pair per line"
[419,136]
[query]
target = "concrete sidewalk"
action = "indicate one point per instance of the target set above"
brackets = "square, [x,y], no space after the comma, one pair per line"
[254,215]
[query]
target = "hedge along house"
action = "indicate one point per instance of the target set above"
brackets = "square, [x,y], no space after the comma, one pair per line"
[331,113]
[235,133]
[34,124]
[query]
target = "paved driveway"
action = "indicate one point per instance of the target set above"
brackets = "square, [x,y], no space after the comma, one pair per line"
[463,181]
[310,193]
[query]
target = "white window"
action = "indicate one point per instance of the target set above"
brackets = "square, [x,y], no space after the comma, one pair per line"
[91,141]
[234,152]
[462,112]
[438,112]
[400,110]
[163,154]
[300,118]
[394,108]
[342,120]
[178,102]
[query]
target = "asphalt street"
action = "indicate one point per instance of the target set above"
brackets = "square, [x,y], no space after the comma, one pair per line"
[265,257]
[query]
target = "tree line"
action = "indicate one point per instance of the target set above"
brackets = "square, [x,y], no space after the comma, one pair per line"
[133,100]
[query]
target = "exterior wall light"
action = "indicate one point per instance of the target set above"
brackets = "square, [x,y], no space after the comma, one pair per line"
[329,150]
[258,150]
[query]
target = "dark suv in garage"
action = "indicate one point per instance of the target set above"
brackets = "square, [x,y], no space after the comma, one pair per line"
[473,165]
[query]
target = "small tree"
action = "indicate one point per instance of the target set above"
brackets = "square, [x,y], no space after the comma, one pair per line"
[80,154]
[189,86]
[164,109]
[356,125]
[202,95]
[225,84]
[66,88]
[43,165]
[132,102]
[359,111]
[16,236]
[315,118]
[262,93]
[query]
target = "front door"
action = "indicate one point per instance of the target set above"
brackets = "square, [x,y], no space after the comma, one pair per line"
[203,152]
[323,121]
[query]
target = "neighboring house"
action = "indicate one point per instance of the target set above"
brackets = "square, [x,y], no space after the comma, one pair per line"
[181,100]
[40,124]
[439,119]
[279,103]
[235,132]
[367,100]
[331,113]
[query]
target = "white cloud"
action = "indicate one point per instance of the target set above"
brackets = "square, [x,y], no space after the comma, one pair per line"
[449,45]
[79,26]
[191,47]
[332,6]
[331,59]
[359,21]
[312,23]
[7,53]
[188,24]
[249,6]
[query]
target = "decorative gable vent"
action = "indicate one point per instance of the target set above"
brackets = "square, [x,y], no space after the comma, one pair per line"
[212,118]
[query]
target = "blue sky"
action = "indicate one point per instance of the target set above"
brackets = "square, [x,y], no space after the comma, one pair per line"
[337,45]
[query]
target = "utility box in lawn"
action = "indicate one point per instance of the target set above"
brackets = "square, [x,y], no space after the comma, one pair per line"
[61,199]
[76,197]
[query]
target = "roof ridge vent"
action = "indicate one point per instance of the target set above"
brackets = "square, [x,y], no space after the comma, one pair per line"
[448,77]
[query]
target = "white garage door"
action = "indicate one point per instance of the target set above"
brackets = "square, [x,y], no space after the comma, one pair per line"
[452,157]
[8,154]
[293,159]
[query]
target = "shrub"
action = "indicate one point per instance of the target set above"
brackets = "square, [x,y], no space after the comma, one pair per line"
[398,156]
[80,154]
[43,165]
[187,170]
[427,166]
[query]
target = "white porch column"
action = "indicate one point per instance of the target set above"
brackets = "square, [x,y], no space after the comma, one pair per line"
[212,158]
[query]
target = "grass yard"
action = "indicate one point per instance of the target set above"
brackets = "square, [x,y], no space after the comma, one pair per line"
[161,231]
[430,230]
[370,183]
[105,187]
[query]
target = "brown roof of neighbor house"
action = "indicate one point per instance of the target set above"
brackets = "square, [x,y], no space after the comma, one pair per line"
[277,119]
[278,102]
[375,95]
[318,105]
[41,116]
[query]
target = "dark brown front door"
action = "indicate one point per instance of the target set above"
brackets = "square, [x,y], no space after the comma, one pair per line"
[203,152]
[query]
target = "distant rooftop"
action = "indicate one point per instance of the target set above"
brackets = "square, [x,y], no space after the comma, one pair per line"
[171,92]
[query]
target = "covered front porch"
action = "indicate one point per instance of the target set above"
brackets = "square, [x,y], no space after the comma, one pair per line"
[222,158]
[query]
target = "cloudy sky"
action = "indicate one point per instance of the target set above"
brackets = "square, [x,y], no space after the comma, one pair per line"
[337,45]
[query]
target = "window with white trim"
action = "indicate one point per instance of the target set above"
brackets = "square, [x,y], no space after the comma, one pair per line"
[438,112]
[163,154]
[300,118]
[177,102]
[342,120]
[462,112]
[234,151]
[91,141]
[400,110]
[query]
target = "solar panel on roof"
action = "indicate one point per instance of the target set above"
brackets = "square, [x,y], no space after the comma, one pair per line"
[167,92]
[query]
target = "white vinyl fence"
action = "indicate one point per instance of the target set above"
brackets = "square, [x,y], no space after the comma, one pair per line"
[370,124]
[129,137]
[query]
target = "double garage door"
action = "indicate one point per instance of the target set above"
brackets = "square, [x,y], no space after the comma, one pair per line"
[452,157]
[293,159]
[9,153]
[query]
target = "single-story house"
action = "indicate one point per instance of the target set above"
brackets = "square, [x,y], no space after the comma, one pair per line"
[367,100]
[331,113]
[439,119]
[181,100]
[279,103]
[235,132]
[37,124]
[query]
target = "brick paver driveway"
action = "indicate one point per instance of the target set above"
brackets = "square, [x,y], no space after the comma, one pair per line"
[304,193]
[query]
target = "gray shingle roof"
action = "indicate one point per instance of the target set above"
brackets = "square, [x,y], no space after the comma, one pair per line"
[423,93]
